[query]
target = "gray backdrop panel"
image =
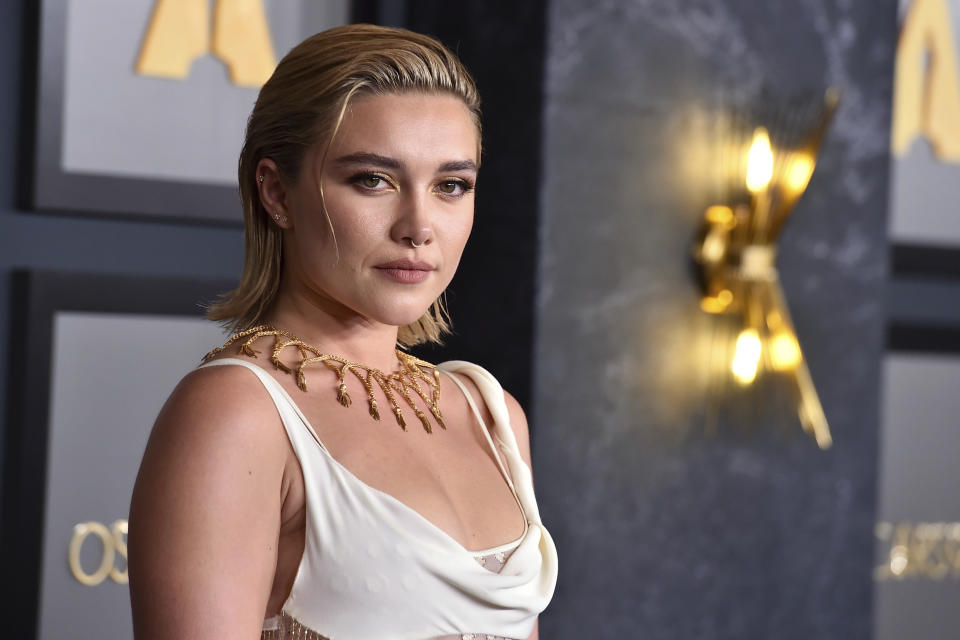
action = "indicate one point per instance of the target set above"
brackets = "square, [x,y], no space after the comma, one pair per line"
[109,380]
[920,448]
[193,128]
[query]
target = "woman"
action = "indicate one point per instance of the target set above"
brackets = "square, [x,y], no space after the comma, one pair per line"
[263,505]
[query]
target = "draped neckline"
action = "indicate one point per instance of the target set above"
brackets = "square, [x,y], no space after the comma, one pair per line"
[388,497]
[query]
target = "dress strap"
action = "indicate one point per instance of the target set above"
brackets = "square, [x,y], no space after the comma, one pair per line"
[277,393]
[486,433]
[493,397]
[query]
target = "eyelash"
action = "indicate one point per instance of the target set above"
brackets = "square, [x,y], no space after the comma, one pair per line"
[359,178]
[466,186]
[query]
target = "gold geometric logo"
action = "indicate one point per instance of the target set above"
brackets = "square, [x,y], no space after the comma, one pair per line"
[926,100]
[180,32]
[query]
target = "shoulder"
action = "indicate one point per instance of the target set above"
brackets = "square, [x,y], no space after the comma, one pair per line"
[211,398]
[213,466]
[518,421]
[217,418]
[473,377]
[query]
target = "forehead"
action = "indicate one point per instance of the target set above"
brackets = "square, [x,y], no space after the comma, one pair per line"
[408,126]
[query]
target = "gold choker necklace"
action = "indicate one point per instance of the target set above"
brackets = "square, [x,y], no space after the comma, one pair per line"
[402,381]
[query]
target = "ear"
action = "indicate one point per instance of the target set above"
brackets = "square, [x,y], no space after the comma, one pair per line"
[273,194]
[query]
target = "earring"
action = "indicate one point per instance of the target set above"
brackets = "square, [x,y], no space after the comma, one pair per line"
[260,179]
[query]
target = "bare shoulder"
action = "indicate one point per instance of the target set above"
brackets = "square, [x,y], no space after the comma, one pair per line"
[211,398]
[219,423]
[221,408]
[212,468]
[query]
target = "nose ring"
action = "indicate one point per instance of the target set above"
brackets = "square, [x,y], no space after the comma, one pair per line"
[415,245]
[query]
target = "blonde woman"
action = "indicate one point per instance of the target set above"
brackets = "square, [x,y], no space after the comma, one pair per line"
[311,479]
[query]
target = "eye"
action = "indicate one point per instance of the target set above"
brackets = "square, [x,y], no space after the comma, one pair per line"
[371,182]
[456,187]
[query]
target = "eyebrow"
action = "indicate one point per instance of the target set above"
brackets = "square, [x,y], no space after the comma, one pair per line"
[375,159]
[459,165]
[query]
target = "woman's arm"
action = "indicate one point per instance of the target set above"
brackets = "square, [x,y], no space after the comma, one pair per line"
[205,514]
[518,420]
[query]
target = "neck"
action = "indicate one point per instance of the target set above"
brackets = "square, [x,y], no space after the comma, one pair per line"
[336,330]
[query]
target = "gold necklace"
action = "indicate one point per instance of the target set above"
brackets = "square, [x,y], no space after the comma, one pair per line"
[407,378]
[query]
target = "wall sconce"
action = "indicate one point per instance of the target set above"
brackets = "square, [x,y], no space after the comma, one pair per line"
[768,161]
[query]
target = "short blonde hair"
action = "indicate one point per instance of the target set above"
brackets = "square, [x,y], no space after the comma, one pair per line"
[304,102]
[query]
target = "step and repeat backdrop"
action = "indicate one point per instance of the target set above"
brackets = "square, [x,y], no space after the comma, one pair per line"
[98,356]
[109,376]
[917,575]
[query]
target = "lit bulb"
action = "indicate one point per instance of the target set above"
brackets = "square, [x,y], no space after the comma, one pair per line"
[719,214]
[717,303]
[759,161]
[799,174]
[746,358]
[713,247]
[784,351]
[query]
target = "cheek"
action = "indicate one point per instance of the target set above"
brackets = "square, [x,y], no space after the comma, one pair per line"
[314,243]
[360,234]
[358,224]
[457,227]
[460,233]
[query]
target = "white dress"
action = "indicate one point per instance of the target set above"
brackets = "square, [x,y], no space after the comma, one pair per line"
[373,568]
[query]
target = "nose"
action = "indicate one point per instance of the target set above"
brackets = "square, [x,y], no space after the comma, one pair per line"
[413,225]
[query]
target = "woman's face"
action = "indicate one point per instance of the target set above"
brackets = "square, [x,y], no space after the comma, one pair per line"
[400,172]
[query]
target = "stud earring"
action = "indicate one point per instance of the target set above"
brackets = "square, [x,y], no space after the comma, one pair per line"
[260,179]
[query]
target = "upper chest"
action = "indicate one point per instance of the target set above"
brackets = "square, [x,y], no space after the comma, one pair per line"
[451,476]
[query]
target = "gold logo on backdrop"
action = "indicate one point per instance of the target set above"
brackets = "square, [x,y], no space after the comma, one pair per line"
[113,543]
[926,101]
[918,550]
[180,32]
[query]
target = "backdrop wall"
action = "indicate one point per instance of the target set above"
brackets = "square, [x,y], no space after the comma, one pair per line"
[669,526]
[86,244]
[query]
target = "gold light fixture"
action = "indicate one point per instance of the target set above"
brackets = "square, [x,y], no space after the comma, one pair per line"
[770,158]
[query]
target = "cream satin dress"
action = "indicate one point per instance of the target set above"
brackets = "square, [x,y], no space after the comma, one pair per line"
[373,568]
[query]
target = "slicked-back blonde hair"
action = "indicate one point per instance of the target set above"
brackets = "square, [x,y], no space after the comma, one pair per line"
[303,103]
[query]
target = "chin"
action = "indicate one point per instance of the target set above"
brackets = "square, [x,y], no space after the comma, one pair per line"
[401,316]
[404,320]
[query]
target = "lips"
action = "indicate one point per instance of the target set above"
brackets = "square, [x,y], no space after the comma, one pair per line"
[406,271]
[411,265]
